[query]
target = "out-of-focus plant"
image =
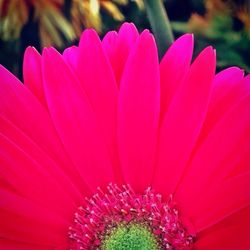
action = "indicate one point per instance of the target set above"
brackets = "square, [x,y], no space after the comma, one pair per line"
[54,26]
[59,23]
[160,24]
[225,25]
[87,13]
[48,13]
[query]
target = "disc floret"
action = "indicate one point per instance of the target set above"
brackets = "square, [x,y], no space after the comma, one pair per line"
[113,216]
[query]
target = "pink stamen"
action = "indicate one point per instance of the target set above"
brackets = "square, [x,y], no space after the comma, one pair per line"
[107,210]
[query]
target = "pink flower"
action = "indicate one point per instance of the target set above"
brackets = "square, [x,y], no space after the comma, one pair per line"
[107,112]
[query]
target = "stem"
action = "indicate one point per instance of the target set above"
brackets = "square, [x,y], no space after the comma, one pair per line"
[160,25]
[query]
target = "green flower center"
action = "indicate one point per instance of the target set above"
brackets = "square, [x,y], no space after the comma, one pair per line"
[130,237]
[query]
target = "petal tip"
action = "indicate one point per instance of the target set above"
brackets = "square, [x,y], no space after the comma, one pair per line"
[209,54]
[127,26]
[186,40]
[50,51]
[30,52]
[146,35]
[89,36]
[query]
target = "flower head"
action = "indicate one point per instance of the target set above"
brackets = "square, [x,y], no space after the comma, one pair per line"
[103,147]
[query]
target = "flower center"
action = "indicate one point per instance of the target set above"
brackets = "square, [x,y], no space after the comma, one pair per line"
[118,218]
[133,237]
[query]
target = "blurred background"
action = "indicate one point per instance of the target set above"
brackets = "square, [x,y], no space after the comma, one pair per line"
[224,24]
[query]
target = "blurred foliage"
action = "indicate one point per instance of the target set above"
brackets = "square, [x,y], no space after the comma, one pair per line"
[224,24]
[58,20]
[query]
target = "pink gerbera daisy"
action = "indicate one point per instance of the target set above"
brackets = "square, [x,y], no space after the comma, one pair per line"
[105,148]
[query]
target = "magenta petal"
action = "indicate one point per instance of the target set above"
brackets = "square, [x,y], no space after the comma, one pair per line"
[228,89]
[173,69]
[28,222]
[22,171]
[18,106]
[97,80]
[118,46]
[183,121]
[216,158]
[44,171]
[20,245]
[75,121]
[70,55]
[138,113]
[231,233]
[32,73]
[222,201]
[109,44]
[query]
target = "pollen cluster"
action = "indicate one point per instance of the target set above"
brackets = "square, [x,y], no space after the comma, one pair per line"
[130,236]
[118,218]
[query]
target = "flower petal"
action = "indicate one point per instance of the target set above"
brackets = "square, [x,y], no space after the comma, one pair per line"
[18,106]
[216,158]
[174,67]
[14,245]
[228,88]
[231,233]
[75,121]
[183,121]
[70,55]
[138,113]
[229,196]
[97,79]
[32,73]
[118,46]
[50,169]
[22,172]
[25,221]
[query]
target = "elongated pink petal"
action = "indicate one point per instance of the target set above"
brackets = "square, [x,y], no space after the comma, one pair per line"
[70,55]
[20,107]
[224,82]
[65,181]
[97,80]
[173,68]
[109,42]
[138,113]
[216,158]
[14,245]
[22,172]
[32,73]
[231,233]
[183,121]
[118,46]
[236,187]
[228,88]
[28,222]
[75,121]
